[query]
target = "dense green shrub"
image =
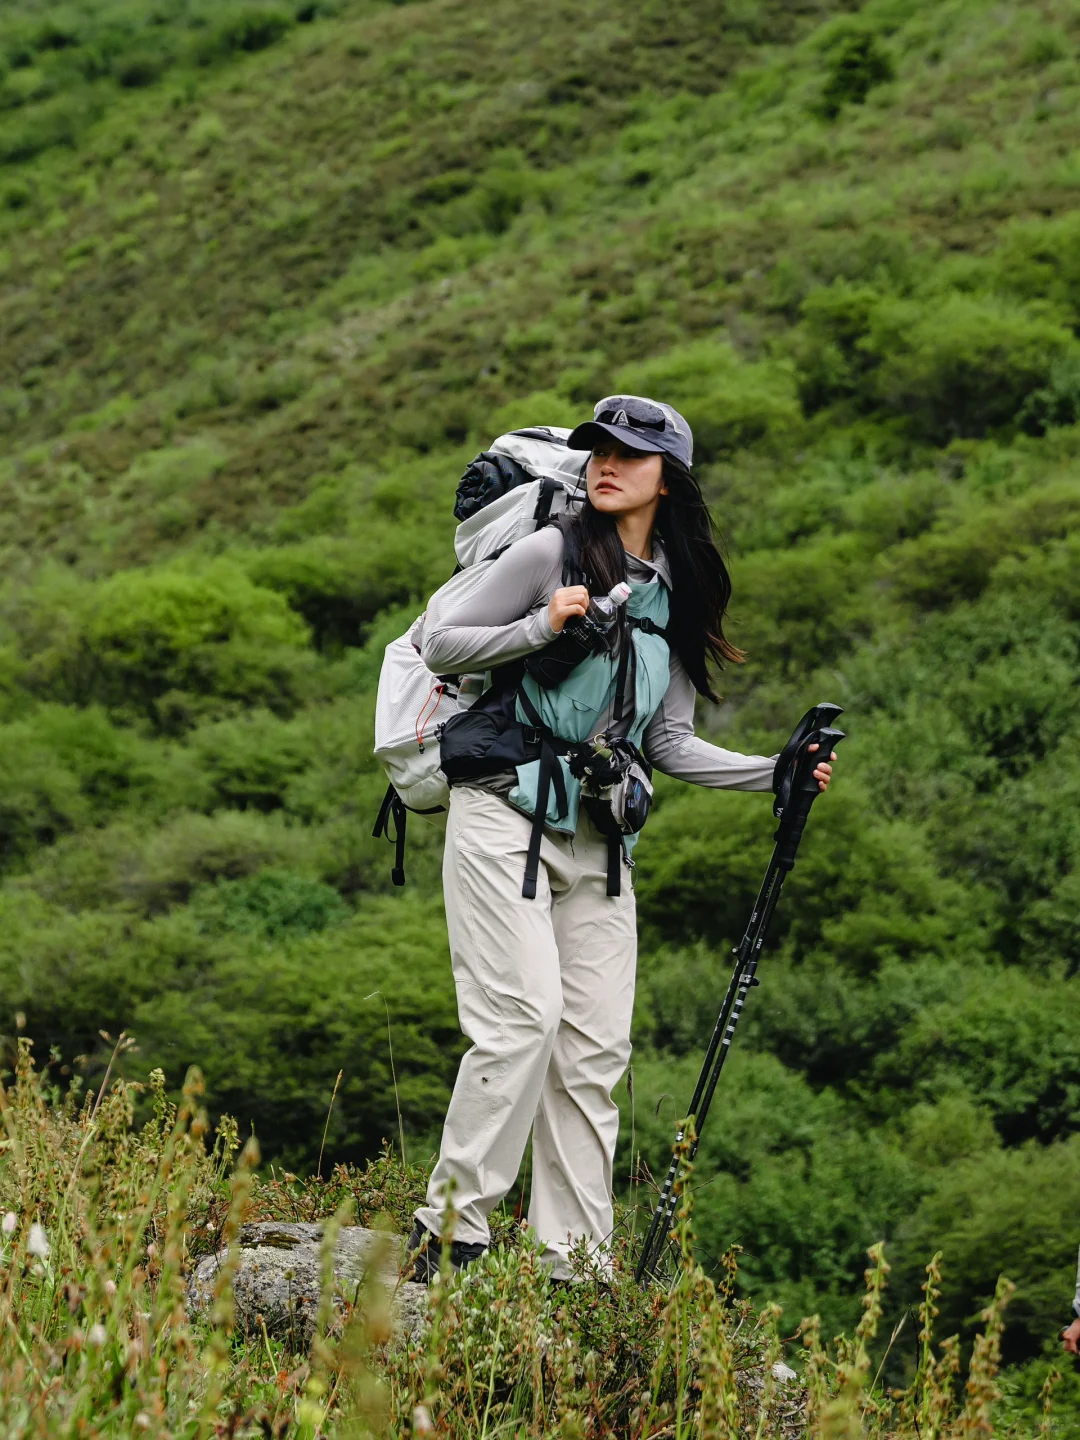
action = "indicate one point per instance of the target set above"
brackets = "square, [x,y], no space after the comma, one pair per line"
[961,367]
[57,121]
[774,1152]
[245,27]
[172,645]
[16,194]
[953,367]
[249,761]
[1012,1042]
[277,1026]
[1049,925]
[137,868]
[272,903]
[833,1027]
[833,360]
[62,769]
[866,894]
[1039,260]
[957,558]
[72,976]
[1007,1212]
[339,585]
[329,582]
[40,798]
[795,607]
[1057,402]
[192,849]
[1000,672]
[855,67]
[140,67]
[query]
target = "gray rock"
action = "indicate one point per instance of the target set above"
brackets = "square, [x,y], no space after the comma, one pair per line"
[277,1281]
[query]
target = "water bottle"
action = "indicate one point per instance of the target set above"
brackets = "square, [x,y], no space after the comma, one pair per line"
[600,616]
[602,608]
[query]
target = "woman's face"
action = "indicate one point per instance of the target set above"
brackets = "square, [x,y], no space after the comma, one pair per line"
[620,481]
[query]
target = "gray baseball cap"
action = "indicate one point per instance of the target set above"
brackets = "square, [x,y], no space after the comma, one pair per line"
[638,423]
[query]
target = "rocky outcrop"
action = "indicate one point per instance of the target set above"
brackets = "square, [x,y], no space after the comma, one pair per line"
[277,1284]
[278,1279]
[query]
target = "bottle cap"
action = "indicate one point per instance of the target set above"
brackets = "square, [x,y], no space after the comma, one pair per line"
[620,593]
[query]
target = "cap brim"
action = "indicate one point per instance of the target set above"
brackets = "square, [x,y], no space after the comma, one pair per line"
[592,432]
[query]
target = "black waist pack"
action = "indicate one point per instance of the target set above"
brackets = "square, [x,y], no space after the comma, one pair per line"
[488,738]
[477,743]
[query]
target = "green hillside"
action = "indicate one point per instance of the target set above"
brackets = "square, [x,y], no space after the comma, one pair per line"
[271,273]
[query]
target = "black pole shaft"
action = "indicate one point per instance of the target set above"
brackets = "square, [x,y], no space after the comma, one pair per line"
[746,978]
[747,953]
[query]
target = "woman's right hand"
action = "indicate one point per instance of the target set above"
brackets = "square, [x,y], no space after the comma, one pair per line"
[565,604]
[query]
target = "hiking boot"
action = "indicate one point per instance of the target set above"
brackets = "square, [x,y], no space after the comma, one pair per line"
[425,1255]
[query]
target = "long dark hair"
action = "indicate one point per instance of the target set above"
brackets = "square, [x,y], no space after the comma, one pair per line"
[700,583]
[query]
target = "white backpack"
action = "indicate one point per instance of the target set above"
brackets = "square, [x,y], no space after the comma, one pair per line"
[542,479]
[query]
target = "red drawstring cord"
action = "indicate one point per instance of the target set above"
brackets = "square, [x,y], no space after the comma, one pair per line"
[423,720]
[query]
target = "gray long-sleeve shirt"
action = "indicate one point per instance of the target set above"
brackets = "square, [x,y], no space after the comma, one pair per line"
[506,616]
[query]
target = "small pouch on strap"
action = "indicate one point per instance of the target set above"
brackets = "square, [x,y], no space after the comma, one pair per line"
[617,781]
[483,740]
[559,659]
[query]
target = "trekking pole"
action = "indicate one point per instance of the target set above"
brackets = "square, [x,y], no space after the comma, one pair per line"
[796,790]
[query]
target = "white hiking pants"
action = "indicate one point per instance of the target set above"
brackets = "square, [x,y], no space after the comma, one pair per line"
[545,992]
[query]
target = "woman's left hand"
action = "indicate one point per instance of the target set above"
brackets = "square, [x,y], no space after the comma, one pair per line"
[822,772]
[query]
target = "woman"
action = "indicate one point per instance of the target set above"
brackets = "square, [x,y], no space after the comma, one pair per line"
[545,970]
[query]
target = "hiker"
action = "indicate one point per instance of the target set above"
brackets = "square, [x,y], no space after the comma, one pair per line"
[539,908]
[1070,1336]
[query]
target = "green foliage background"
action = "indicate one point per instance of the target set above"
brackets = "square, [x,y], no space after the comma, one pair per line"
[270,273]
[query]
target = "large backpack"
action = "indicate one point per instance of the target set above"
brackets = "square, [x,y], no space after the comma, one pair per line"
[526,479]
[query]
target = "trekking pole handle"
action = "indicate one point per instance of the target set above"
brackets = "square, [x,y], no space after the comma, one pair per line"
[804,791]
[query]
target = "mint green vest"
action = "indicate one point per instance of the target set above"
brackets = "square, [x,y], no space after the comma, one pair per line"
[572,710]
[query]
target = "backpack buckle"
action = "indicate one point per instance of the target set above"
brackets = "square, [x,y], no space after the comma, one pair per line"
[532,735]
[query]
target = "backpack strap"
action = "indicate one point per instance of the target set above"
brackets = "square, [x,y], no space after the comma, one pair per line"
[393,809]
[616,854]
[572,571]
[550,774]
[542,513]
[648,627]
[627,657]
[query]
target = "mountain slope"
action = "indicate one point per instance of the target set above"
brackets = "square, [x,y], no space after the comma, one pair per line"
[255,318]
